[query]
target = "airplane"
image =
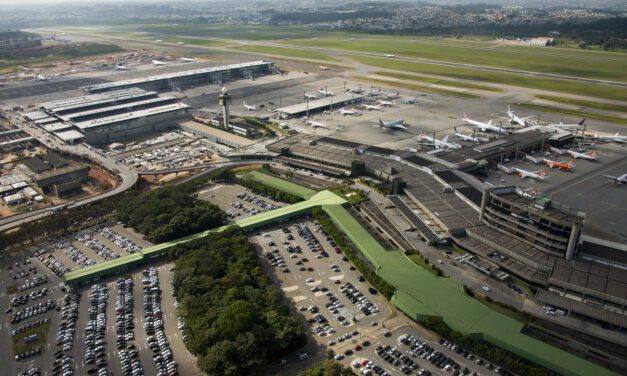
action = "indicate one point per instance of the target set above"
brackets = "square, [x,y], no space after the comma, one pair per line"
[158,40]
[120,67]
[396,124]
[591,156]
[310,96]
[389,55]
[188,59]
[513,118]
[348,112]
[616,138]
[568,126]
[385,103]
[371,107]
[2,84]
[323,67]
[617,179]
[180,43]
[483,126]
[393,96]
[564,166]
[356,90]
[41,77]
[472,138]
[158,62]
[537,175]
[438,144]
[316,124]
[249,107]
[326,92]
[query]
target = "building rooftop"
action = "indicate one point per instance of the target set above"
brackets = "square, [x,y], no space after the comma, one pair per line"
[317,104]
[167,76]
[116,107]
[76,103]
[130,115]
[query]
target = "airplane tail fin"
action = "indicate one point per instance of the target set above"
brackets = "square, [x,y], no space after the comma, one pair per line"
[381,125]
[542,173]
[581,122]
[465,116]
[445,139]
[593,154]
[455,129]
[490,122]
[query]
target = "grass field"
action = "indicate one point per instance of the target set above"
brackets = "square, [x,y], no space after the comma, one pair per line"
[289,52]
[571,87]
[575,113]
[11,289]
[284,185]
[19,346]
[423,88]
[353,196]
[54,53]
[584,103]
[607,70]
[197,42]
[438,81]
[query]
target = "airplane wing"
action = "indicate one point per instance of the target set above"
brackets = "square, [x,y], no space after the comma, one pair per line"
[398,126]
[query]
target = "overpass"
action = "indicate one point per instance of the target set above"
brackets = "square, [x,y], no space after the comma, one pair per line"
[128,262]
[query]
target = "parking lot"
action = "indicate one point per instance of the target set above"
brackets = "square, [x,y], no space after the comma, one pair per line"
[238,202]
[125,325]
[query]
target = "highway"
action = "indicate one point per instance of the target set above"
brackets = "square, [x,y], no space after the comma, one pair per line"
[128,177]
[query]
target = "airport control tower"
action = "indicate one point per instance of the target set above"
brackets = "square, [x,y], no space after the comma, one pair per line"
[225,100]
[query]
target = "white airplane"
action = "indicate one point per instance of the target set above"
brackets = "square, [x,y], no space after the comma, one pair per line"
[120,67]
[396,124]
[513,118]
[617,179]
[389,55]
[616,138]
[316,124]
[188,59]
[469,138]
[371,107]
[356,90]
[393,96]
[537,175]
[591,156]
[41,77]
[568,126]
[410,100]
[310,96]
[483,126]
[158,40]
[180,43]
[385,103]
[438,144]
[249,107]
[326,92]
[323,67]
[158,62]
[348,112]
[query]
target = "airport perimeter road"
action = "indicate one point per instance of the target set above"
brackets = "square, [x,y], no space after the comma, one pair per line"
[128,176]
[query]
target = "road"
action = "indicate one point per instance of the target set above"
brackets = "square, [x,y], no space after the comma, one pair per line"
[127,177]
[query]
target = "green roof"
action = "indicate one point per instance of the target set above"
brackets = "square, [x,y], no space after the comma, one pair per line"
[420,293]
[280,184]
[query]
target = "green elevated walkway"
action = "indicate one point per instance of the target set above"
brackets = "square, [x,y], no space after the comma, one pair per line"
[127,262]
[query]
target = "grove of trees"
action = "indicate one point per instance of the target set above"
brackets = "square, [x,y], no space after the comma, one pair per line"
[328,368]
[235,319]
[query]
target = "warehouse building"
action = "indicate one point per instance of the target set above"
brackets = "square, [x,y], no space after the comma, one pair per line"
[171,81]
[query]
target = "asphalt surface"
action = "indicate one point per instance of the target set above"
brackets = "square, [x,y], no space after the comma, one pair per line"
[52,85]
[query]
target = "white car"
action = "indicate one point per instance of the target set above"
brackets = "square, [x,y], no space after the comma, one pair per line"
[485,288]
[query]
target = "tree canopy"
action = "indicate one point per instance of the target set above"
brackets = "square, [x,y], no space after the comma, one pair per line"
[235,319]
[328,368]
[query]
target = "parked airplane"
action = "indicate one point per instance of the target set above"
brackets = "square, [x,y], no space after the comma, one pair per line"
[249,107]
[617,179]
[41,77]
[409,100]
[589,156]
[120,67]
[188,59]
[396,124]
[323,67]
[326,92]
[393,96]
[438,144]
[316,124]
[513,118]
[158,40]
[348,112]
[310,96]
[564,166]
[616,138]
[371,107]
[389,55]
[537,175]
[568,126]
[469,138]
[158,62]
[483,126]
[180,43]
[385,103]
